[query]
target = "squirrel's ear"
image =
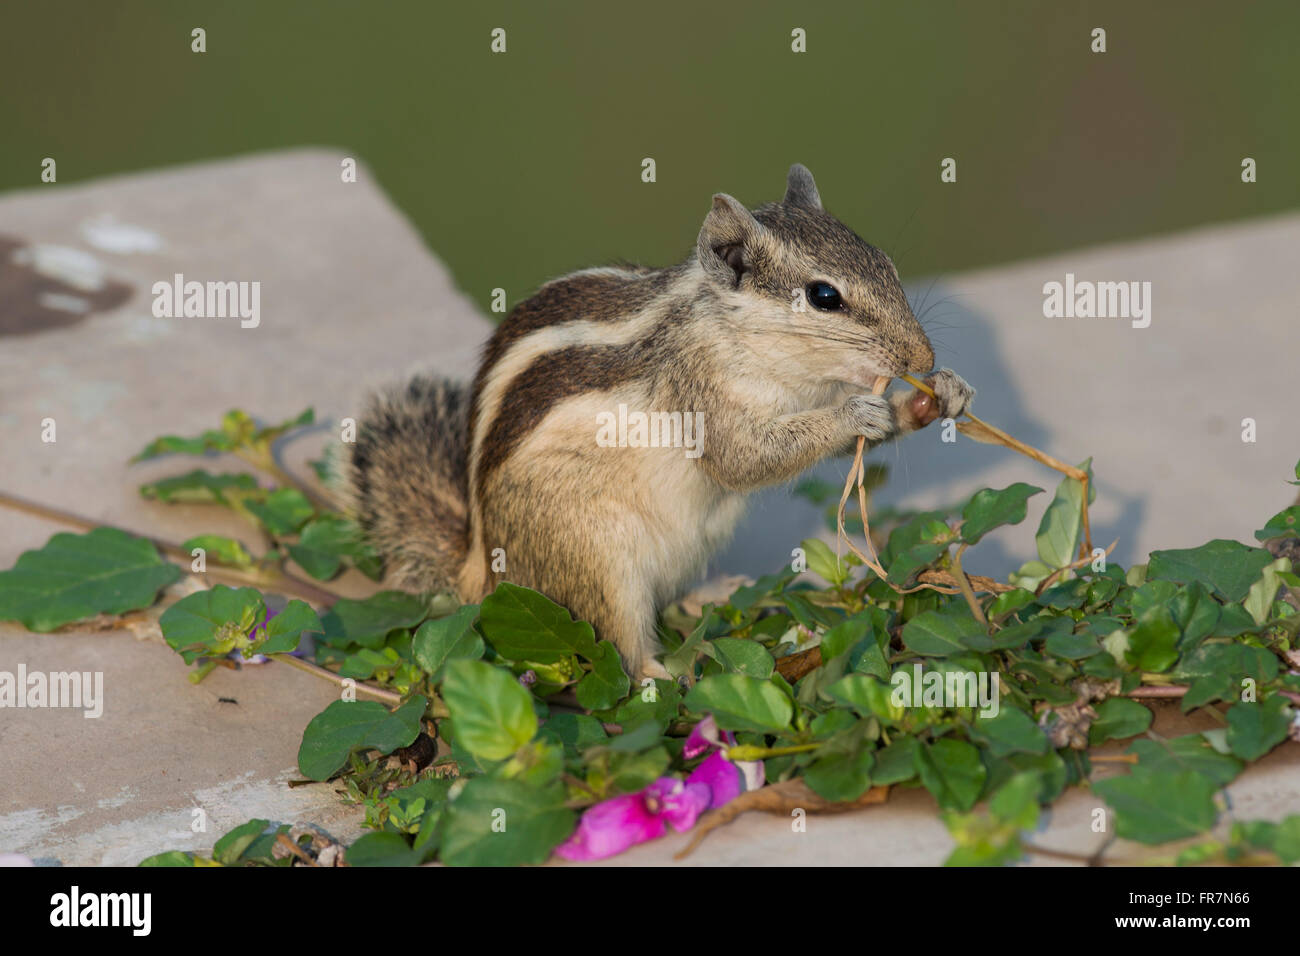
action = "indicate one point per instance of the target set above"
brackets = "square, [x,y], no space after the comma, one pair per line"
[727,240]
[801,188]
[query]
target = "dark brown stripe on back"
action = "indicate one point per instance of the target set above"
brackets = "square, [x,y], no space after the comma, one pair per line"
[590,298]
[552,378]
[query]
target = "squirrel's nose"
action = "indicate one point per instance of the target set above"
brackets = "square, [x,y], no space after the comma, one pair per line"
[920,357]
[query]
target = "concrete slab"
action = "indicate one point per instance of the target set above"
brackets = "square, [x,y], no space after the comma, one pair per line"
[350,298]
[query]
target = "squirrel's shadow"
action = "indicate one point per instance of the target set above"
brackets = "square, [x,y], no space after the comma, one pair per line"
[923,467]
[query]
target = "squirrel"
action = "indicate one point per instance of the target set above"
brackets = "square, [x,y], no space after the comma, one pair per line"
[769,337]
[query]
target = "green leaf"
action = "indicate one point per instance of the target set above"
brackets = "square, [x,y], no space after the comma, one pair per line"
[364,663]
[738,702]
[896,762]
[1187,753]
[606,683]
[868,696]
[286,628]
[846,635]
[1228,568]
[951,770]
[942,633]
[1062,524]
[681,662]
[209,441]
[200,487]
[327,540]
[1030,575]
[1035,629]
[1011,731]
[1118,717]
[1158,807]
[231,847]
[445,638]
[346,725]
[576,732]
[916,544]
[238,430]
[1284,524]
[76,576]
[1256,728]
[496,822]
[989,509]
[1067,594]
[741,656]
[823,562]
[284,511]
[222,550]
[841,776]
[269,433]
[493,714]
[1259,599]
[384,849]
[1209,688]
[1195,613]
[1072,647]
[369,622]
[1009,601]
[1153,644]
[212,623]
[1016,801]
[1234,659]
[524,625]
[660,710]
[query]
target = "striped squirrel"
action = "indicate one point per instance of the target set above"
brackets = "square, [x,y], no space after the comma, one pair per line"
[768,337]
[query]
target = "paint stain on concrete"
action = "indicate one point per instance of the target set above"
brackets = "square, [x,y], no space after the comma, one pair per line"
[52,287]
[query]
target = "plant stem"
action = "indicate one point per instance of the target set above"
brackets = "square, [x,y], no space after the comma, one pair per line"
[747,752]
[380,693]
[281,580]
[963,582]
[269,465]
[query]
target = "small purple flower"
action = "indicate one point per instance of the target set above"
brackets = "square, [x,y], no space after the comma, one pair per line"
[256,634]
[528,678]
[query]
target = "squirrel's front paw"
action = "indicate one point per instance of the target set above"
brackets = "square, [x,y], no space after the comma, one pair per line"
[952,397]
[871,416]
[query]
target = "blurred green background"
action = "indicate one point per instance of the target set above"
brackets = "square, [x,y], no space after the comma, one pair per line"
[521,166]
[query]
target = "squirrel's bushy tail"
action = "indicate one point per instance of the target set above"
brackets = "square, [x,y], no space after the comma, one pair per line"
[404,481]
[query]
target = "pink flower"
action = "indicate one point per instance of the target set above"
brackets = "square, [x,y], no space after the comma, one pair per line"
[615,825]
[705,736]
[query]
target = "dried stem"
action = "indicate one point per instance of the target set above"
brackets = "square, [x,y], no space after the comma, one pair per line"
[281,580]
[964,583]
[379,693]
[980,430]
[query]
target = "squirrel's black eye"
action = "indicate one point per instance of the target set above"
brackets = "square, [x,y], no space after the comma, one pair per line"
[824,296]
